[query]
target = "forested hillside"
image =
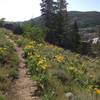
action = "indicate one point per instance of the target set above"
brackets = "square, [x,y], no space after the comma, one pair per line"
[84,19]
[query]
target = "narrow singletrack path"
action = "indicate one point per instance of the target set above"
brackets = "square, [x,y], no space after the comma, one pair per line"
[23,88]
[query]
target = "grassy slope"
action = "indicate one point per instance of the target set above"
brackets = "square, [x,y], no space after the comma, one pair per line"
[60,71]
[8,64]
[56,71]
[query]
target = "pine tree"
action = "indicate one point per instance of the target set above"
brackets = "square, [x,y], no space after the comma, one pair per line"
[67,34]
[62,21]
[75,37]
[62,5]
[48,8]
[55,18]
[2,22]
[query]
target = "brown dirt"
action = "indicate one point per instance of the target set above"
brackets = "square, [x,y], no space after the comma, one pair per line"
[23,88]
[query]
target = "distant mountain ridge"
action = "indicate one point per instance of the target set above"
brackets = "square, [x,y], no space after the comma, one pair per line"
[84,19]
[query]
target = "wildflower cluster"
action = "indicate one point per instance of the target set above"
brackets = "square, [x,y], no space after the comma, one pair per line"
[40,61]
[41,56]
[30,45]
[97,89]
[59,58]
[29,49]
[94,89]
[2,52]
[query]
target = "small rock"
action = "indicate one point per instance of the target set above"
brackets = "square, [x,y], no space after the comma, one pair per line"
[70,96]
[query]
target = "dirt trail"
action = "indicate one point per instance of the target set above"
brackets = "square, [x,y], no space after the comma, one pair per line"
[23,87]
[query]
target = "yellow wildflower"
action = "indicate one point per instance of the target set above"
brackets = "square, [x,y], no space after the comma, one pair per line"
[45,66]
[71,68]
[2,50]
[30,57]
[59,58]
[37,55]
[97,91]
[42,63]
[29,53]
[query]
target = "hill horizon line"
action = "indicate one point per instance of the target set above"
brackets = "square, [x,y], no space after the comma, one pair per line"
[68,12]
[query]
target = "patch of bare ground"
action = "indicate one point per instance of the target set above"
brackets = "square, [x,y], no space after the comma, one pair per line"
[22,88]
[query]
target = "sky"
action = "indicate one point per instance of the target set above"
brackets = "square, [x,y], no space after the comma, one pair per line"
[20,10]
[84,5]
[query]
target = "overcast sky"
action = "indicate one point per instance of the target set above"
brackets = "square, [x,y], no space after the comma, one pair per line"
[19,10]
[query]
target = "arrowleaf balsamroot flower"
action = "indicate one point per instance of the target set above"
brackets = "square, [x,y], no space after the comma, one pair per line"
[59,58]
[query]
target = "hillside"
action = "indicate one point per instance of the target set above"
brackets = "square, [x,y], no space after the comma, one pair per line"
[56,71]
[60,72]
[84,19]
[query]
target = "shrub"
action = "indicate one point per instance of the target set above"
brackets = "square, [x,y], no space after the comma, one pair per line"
[34,32]
[2,97]
[13,73]
[8,63]
[18,29]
